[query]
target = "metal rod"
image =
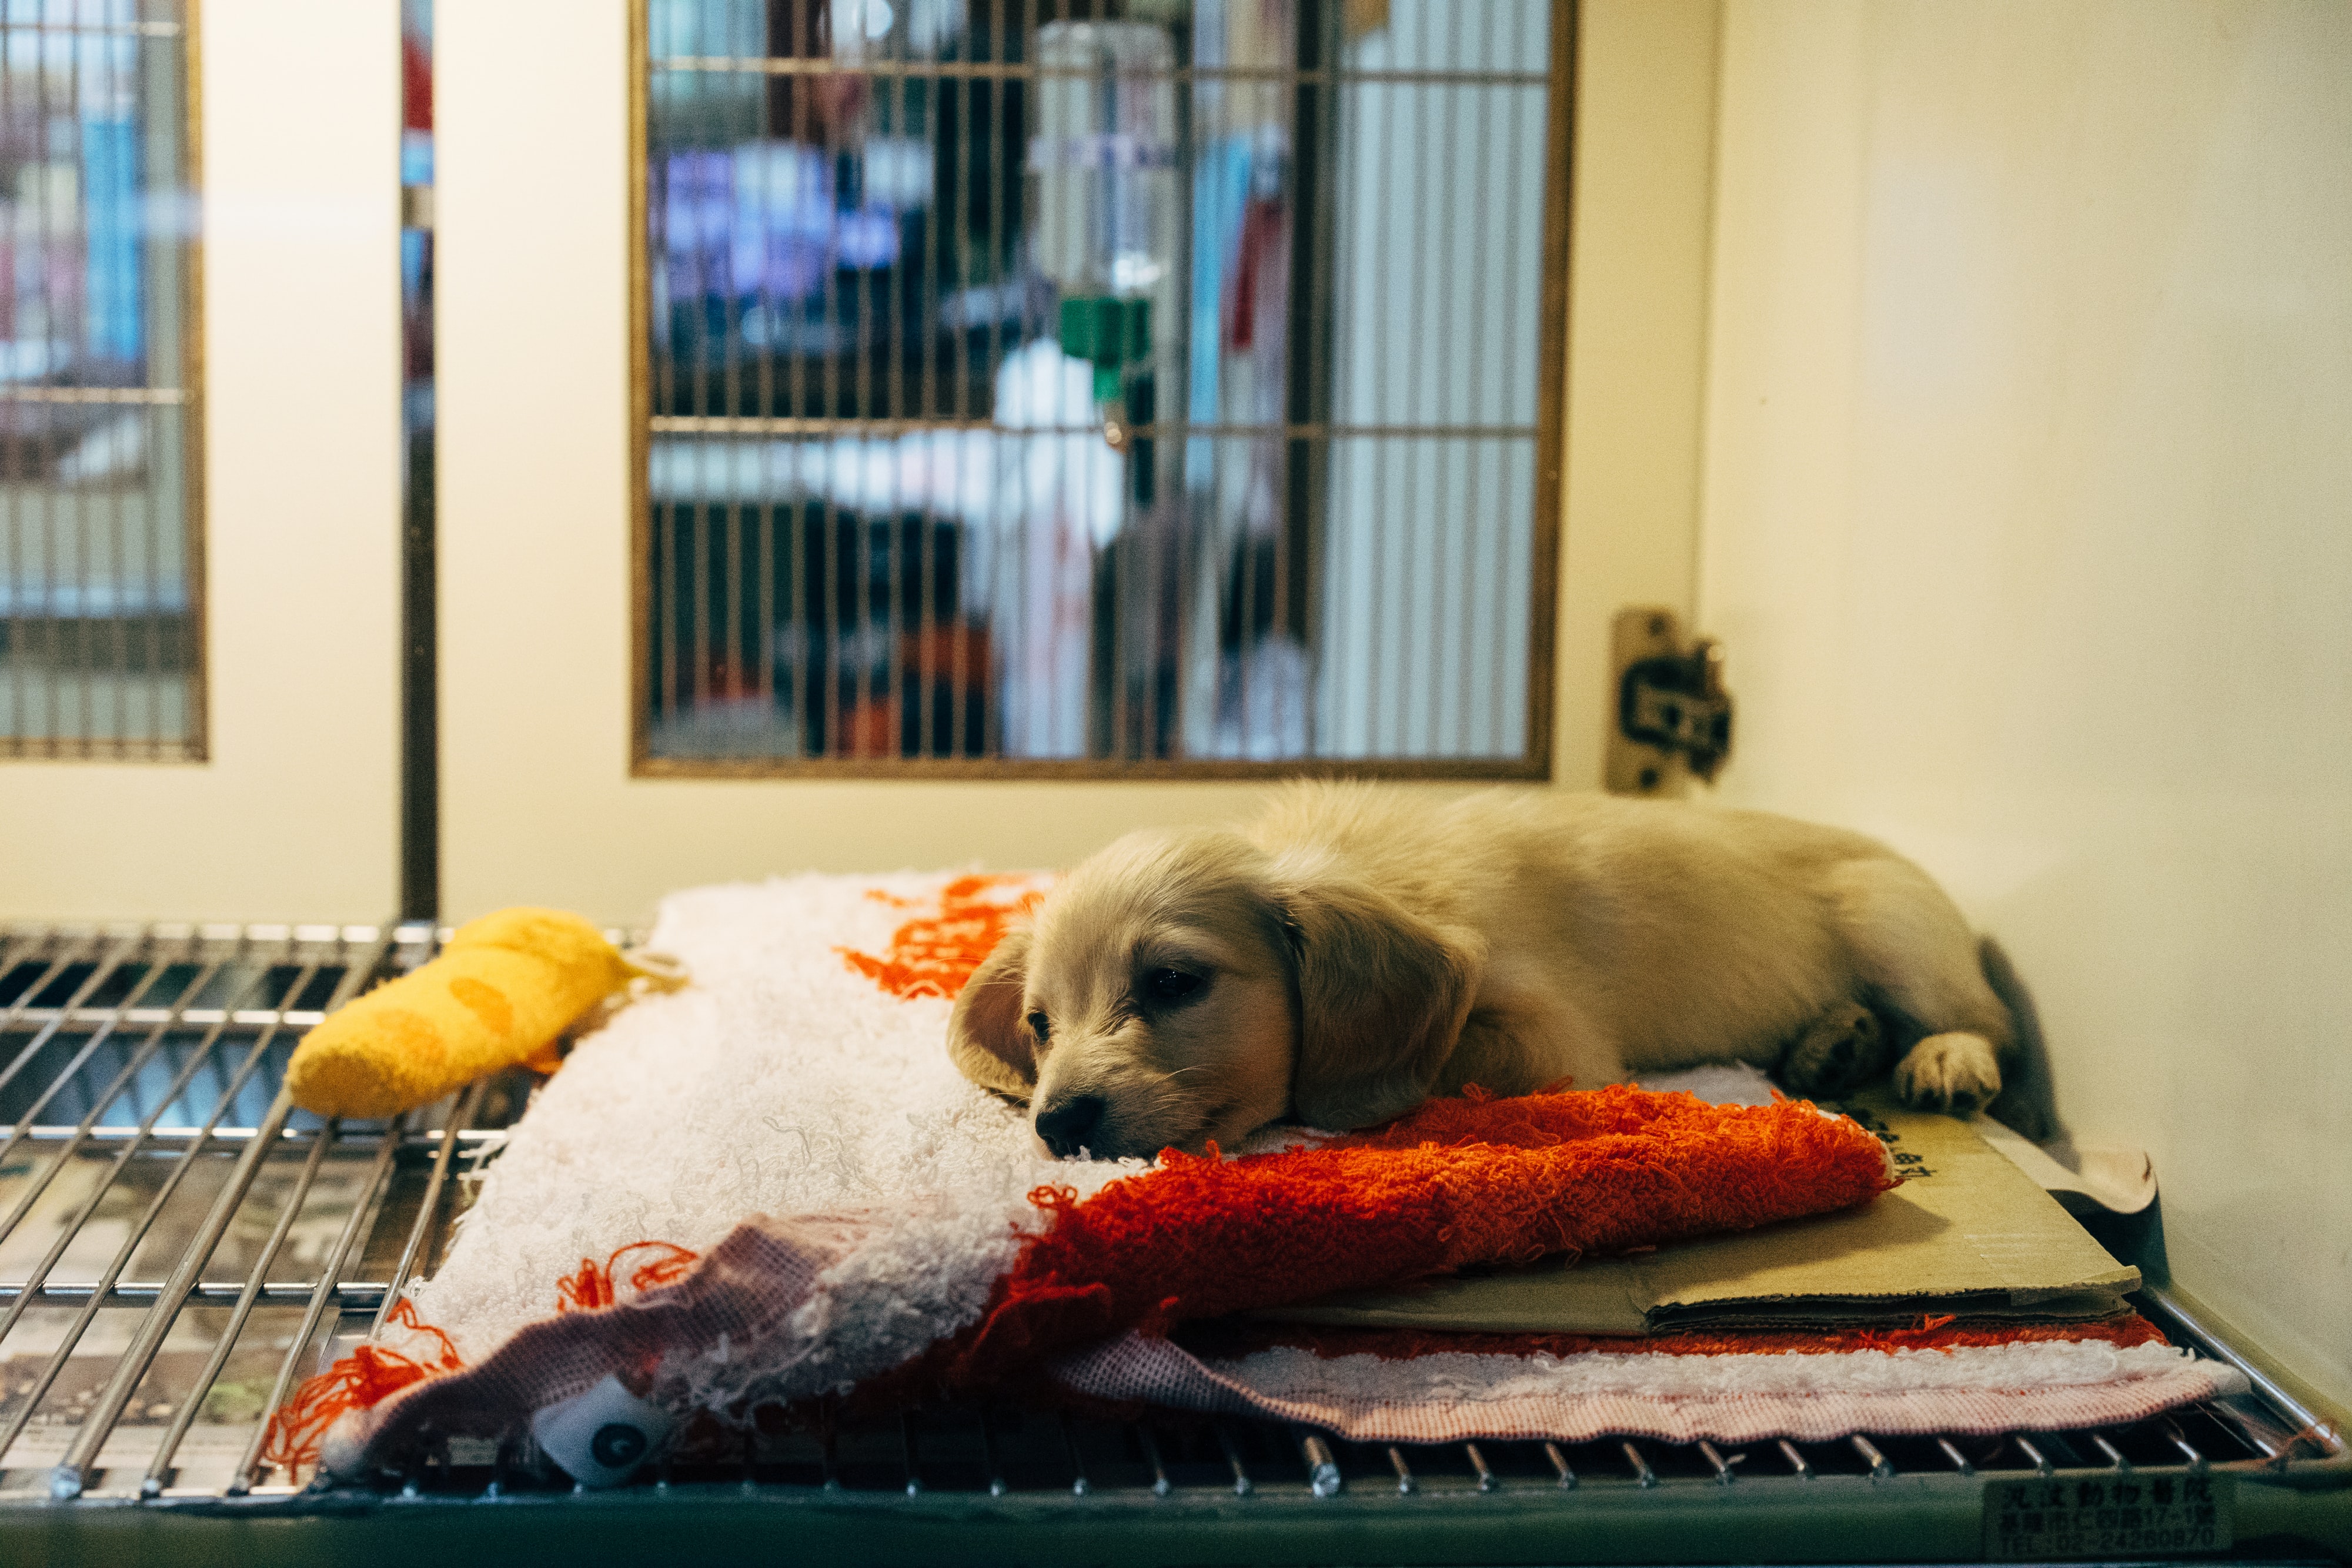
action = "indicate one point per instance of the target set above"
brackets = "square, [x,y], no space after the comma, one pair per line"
[1150,1444]
[1879,1468]
[1323,1478]
[1642,1474]
[1960,1460]
[2115,1455]
[461,1111]
[1006,70]
[2025,1446]
[362,1208]
[1722,1475]
[1799,1466]
[1242,1487]
[1078,1485]
[159,1468]
[2189,1450]
[783,426]
[1405,1483]
[1478,1466]
[133,395]
[994,1464]
[907,1457]
[1560,1466]
[2315,1430]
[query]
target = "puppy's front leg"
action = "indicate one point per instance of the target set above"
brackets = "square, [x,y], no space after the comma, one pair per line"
[1955,1072]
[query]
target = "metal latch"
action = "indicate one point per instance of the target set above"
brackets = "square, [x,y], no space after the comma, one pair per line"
[1672,718]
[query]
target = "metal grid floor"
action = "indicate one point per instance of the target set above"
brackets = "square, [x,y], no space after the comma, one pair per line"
[179,1248]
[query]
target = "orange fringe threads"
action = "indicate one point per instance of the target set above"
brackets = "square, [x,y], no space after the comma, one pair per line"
[934,955]
[591,1286]
[360,1380]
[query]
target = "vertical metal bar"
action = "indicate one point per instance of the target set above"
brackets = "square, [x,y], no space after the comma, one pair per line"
[2187,1450]
[1242,1486]
[698,673]
[1799,1466]
[862,532]
[1879,1468]
[1451,525]
[1472,407]
[1079,1485]
[908,1456]
[1722,1475]
[159,1469]
[77,509]
[1507,334]
[16,732]
[1411,262]
[1478,1466]
[461,1115]
[763,609]
[1323,1478]
[1634,1460]
[795,516]
[828,661]
[1560,1466]
[1405,1483]
[989,1461]
[330,1268]
[1008,552]
[729,611]
[1160,1487]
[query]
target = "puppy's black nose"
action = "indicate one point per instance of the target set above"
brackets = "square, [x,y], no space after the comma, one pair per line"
[1070,1125]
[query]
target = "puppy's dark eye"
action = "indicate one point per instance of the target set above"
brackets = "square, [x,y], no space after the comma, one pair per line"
[1172,984]
[1041,1026]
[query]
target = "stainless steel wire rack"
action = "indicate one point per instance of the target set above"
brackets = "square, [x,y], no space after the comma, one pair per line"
[179,1247]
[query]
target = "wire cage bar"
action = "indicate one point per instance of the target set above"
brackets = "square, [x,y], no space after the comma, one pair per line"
[1100,390]
[179,1247]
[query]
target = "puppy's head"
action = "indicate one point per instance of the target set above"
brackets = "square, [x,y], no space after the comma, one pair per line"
[1176,988]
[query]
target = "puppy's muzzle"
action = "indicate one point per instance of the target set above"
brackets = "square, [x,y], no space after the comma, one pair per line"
[1071,1124]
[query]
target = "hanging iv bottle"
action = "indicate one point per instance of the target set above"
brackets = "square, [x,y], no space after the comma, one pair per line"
[1104,158]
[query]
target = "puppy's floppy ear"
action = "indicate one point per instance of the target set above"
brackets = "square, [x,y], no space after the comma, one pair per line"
[987,1038]
[1381,997]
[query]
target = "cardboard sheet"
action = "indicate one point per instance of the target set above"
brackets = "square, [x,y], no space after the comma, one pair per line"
[1966,1232]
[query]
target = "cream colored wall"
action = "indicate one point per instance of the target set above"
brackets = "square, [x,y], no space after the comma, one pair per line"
[2028,520]
[294,817]
[536,801]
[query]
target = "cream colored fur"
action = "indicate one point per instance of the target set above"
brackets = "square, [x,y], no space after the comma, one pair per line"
[1359,948]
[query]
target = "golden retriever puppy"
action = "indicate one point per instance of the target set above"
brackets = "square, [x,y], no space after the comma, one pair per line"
[1359,948]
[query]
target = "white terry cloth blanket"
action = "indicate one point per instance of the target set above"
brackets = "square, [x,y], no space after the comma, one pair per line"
[780,1082]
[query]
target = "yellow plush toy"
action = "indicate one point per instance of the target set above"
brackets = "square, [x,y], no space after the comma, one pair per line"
[503,990]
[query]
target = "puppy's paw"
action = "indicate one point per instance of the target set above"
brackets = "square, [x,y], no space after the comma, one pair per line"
[1846,1046]
[1955,1072]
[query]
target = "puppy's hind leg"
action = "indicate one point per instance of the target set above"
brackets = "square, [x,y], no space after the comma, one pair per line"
[1842,1050]
[1914,953]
